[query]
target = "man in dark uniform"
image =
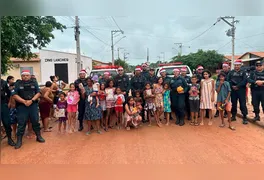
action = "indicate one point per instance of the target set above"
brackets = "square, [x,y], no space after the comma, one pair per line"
[145,71]
[26,94]
[188,81]
[122,80]
[152,78]
[257,88]
[225,70]
[81,81]
[163,74]
[138,84]
[238,80]
[178,96]
[198,73]
[5,115]
[105,79]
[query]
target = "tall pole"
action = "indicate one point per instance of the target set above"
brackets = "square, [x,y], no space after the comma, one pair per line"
[112,47]
[147,55]
[233,42]
[78,49]
[118,52]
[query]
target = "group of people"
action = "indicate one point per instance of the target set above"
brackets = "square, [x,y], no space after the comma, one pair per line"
[143,99]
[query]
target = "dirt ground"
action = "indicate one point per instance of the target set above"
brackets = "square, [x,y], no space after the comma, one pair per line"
[145,145]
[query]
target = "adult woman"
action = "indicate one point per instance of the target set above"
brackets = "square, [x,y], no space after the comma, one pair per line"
[158,91]
[92,113]
[55,90]
[45,105]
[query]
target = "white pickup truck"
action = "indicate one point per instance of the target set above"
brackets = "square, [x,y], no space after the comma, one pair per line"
[99,70]
[169,69]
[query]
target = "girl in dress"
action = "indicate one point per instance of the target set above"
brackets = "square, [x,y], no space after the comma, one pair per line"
[119,101]
[102,96]
[73,98]
[207,96]
[132,116]
[167,102]
[110,102]
[150,107]
[158,91]
[62,105]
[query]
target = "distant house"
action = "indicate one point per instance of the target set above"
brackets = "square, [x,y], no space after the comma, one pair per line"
[250,58]
[228,58]
[100,63]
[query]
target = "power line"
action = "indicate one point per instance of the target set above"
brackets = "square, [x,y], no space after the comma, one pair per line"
[224,45]
[115,22]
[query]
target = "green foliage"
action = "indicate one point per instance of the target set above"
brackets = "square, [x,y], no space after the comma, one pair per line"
[214,77]
[19,34]
[124,64]
[208,59]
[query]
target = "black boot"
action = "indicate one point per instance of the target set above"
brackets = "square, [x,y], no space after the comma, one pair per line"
[80,127]
[216,114]
[19,142]
[182,122]
[245,121]
[256,118]
[10,141]
[177,120]
[233,118]
[39,138]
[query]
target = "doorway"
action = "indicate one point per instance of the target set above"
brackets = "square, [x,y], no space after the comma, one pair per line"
[61,70]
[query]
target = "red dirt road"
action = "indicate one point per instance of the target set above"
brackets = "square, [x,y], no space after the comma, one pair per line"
[146,145]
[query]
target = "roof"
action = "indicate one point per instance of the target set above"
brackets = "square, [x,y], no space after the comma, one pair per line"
[230,57]
[260,54]
[100,62]
[37,59]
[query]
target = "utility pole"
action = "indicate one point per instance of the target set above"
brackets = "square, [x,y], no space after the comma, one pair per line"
[163,56]
[125,55]
[180,48]
[147,55]
[78,49]
[158,57]
[112,46]
[231,32]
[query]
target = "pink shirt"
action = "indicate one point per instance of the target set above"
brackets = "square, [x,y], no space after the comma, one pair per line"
[73,97]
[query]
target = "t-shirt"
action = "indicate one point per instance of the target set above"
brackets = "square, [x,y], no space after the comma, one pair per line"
[95,87]
[110,94]
[225,89]
[194,94]
[119,100]
[73,97]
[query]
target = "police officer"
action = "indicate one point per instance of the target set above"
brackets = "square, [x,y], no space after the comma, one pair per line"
[188,81]
[257,88]
[26,94]
[178,97]
[145,71]
[152,78]
[81,81]
[198,73]
[163,74]
[105,79]
[238,80]
[5,115]
[137,84]
[122,80]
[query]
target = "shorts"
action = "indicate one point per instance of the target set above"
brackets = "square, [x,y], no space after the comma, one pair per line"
[194,105]
[72,108]
[103,105]
[110,104]
[119,109]
[150,106]
[13,116]
[228,106]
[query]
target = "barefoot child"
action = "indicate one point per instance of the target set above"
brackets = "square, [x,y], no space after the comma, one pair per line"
[167,102]
[62,106]
[223,90]
[73,98]
[110,103]
[119,101]
[194,100]
[102,96]
[149,97]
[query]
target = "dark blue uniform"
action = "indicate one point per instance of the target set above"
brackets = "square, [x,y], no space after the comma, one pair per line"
[81,103]
[5,115]
[166,79]
[123,83]
[152,79]
[238,79]
[178,100]
[257,92]
[145,73]
[27,90]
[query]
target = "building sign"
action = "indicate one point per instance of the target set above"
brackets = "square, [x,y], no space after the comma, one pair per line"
[57,60]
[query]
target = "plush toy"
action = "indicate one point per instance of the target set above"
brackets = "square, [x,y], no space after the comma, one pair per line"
[180,89]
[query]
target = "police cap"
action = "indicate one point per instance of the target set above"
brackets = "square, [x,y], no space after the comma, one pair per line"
[258,63]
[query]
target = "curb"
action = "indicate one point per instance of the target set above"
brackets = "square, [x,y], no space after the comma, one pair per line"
[250,119]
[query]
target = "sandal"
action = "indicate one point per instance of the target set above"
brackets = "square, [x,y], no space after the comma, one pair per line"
[128,128]
[232,128]
[88,133]
[48,130]
[196,124]
[99,132]
[192,123]
[222,125]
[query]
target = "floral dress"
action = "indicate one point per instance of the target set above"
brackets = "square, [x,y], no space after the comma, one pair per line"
[158,97]
[92,112]
[167,101]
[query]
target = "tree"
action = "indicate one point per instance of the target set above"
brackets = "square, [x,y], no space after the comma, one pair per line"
[124,64]
[208,59]
[19,34]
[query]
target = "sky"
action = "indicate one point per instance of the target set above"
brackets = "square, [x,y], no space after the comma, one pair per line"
[158,33]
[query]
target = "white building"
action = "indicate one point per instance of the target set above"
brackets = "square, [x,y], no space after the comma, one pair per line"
[61,64]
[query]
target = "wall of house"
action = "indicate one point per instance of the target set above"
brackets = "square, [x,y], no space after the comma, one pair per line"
[34,67]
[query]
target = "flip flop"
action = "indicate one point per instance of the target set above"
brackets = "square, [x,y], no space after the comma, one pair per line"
[222,125]
[196,124]
[49,130]
[88,133]
[192,123]
[232,128]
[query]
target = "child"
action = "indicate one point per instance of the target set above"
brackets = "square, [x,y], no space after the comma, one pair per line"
[131,114]
[158,91]
[73,98]
[119,100]
[62,105]
[102,96]
[207,96]
[149,97]
[167,102]
[194,100]
[96,87]
[110,102]
[13,111]
[138,97]
[223,99]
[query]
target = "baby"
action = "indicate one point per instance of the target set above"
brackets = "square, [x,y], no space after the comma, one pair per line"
[96,87]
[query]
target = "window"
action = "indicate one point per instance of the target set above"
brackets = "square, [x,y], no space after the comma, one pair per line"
[26,68]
